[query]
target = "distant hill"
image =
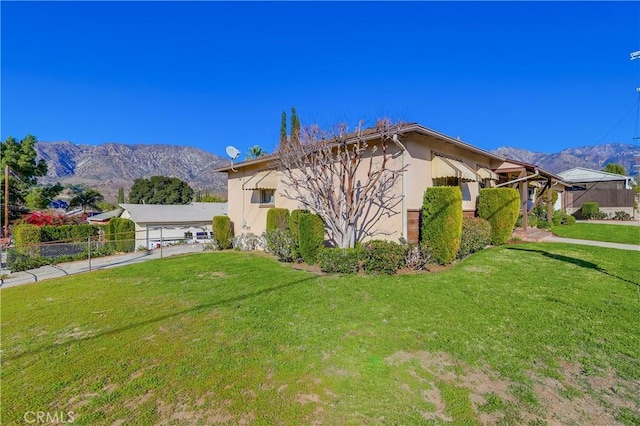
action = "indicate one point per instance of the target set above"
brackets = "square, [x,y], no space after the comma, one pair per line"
[592,157]
[111,166]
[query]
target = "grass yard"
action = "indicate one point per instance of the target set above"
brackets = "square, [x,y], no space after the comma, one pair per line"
[623,234]
[528,333]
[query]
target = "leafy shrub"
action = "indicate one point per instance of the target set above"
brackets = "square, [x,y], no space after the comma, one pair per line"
[44,218]
[417,257]
[600,215]
[562,218]
[279,243]
[27,239]
[122,233]
[532,220]
[277,218]
[621,215]
[18,260]
[382,257]
[337,260]
[543,224]
[69,232]
[311,229]
[442,222]
[476,235]
[590,209]
[248,242]
[294,228]
[500,206]
[222,232]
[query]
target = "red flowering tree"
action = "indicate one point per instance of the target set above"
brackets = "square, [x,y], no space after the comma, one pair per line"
[44,218]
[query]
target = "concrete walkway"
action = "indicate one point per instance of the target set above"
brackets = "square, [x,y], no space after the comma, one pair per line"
[72,268]
[554,239]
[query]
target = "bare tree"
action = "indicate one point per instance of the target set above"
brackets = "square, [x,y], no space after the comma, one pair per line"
[348,179]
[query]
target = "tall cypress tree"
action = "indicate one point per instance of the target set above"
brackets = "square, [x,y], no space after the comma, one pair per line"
[283,130]
[295,126]
[120,195]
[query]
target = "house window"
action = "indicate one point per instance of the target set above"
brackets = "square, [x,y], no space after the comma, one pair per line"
[267,196]
[446,181]
[188,235]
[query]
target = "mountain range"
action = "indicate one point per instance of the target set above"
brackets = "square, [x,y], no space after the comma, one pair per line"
[594,157]
[111,166]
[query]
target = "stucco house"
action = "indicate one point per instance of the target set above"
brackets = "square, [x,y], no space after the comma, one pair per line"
[611,191]
[431,159]
[157,224]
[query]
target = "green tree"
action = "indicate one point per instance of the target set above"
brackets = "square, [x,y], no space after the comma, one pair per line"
[255,152]
[25,168]
[295,127]
[120,195]
[86,198]
[160,190]
[39,197]
[617,169]
[283,130]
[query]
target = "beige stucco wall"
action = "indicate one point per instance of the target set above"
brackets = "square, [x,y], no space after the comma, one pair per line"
[421,150]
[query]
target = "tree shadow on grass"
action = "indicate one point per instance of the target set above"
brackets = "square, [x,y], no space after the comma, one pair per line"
[578,262]
[193,309]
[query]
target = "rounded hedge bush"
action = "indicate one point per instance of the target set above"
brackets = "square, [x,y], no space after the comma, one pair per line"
[338,260]
[476,235]
[500,206]
[277,218]
[442,222]
[222,232]
[382,257]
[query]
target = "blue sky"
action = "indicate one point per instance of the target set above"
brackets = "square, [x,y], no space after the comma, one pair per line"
[542,76]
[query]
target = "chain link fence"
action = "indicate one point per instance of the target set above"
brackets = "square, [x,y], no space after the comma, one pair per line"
[26,257]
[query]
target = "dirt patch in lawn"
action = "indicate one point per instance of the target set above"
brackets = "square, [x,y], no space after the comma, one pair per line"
[574,398]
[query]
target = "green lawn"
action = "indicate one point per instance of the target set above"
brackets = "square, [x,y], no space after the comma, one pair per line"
[623,234]
[529,333]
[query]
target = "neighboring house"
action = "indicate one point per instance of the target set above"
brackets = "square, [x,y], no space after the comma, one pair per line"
[104,218]
[612,192]
[431,159]
[158,224]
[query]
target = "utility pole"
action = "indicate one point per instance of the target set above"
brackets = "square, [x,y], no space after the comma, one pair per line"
[6,201]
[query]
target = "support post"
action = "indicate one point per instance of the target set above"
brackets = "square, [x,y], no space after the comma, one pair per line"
[161,242]
[6,201]
[524,197]
[89,251]
[550,203]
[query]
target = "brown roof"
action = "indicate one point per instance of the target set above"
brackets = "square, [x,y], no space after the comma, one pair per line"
[371,133]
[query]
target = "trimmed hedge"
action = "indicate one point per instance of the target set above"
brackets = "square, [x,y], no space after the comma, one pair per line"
[442,222]
[476,235]
[222,232]
[123,233]
[69,232]
[500,206]
[294,229]
[277,218]
[26,238]
[311,238]
[341,261]
[590,210]
[382,257]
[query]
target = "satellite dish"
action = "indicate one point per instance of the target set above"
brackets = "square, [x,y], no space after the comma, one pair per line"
[232,152]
